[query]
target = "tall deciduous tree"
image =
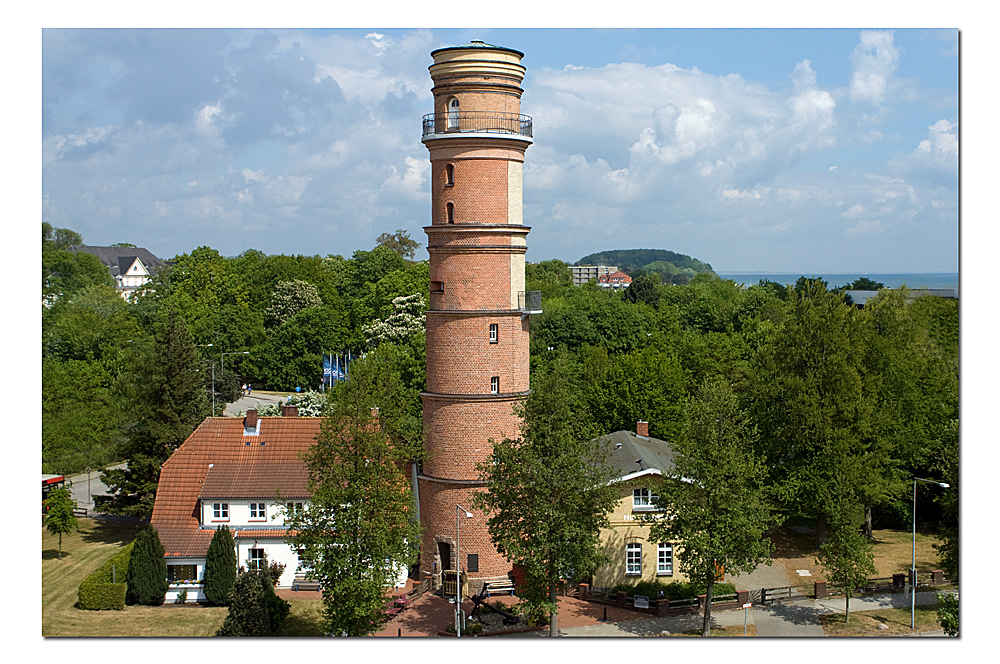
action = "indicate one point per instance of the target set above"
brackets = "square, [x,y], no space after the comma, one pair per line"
[399,242]
[289,298]
[59,517]
[146,578]
[220,567]
[359,529]
[718,510]
[548,492]
[806,394]
[171,401]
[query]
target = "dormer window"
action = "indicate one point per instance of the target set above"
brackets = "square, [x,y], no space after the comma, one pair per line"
[258,510]
[220,511]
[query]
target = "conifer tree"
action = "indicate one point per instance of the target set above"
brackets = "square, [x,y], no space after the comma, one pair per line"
[146,578]
[248,614]
[220,567]
[171,401]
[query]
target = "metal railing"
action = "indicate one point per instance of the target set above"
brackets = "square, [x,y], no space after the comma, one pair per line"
[529,302]
[482,122]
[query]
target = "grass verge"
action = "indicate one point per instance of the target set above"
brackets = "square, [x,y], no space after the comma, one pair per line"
[866,623]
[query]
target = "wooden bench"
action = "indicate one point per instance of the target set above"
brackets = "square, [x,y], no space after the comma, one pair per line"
[498,587]
[300,583]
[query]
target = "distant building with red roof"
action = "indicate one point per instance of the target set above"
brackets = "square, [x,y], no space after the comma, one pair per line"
[614,280]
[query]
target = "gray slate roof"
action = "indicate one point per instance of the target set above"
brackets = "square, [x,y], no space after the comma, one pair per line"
[631,454]
[120,259]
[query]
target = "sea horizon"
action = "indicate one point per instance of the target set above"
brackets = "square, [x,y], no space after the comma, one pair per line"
[935,280]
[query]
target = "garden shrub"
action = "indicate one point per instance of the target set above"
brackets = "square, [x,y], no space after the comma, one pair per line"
[104,588]
[220,567]
[147,570]
[674,591]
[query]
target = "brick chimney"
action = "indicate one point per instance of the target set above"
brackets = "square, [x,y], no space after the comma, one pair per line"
[289,411]
[642,429]
[251,419]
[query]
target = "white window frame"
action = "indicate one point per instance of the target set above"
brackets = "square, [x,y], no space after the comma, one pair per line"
[220,511]
[255,560]
[494,333]
[644,499]
[664,559]
[495,385]
[633,558]
[453,108]
[258,510]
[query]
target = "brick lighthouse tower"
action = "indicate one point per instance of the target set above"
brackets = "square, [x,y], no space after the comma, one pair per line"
[477,321]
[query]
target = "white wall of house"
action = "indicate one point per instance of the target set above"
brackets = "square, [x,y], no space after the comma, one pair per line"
[193,586]
[275,550]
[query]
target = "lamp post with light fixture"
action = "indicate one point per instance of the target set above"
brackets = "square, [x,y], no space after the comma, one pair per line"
[458,564]
[913,560]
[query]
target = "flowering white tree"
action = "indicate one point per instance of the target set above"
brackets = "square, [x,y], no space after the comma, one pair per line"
[406,320]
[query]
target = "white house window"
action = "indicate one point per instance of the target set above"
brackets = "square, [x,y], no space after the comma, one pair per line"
[220,510]
[293,507]
[258,511]
[633,558]
[494,332]
[453,113]
[495,385]
[643,499]
[256,560]
[664,559]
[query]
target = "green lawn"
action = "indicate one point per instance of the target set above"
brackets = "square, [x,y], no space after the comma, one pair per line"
[865,623]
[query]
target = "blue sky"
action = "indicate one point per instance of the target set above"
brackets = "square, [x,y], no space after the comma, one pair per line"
[805,150]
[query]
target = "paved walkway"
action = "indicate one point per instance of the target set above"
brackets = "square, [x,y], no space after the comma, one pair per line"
[245,403]
[798,618]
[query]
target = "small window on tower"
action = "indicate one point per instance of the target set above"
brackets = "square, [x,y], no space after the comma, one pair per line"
[495,385]
[494,333]
[451,213]
[437,286]
[453,113]
[449,175]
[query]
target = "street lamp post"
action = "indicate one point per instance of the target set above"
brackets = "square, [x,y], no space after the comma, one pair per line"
[913,550]
[458,564]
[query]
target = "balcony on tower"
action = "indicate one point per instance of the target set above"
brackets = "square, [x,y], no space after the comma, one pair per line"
[439,125]
[529,302]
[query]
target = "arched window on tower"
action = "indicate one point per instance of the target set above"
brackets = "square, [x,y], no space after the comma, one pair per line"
[449,175]
[453,113]
[451,213]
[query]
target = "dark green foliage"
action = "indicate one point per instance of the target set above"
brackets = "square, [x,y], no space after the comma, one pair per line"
[863,283]
[645,385]
[67,272]
[171,401]
[948,613]
[846,555]
[673,591]
[59,518]
[147,570]
[548,490]
[643,289]
[254,608]
[104,589]
[220,567]
[292,356]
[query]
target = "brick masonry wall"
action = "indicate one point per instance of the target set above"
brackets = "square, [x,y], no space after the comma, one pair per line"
[461,359]
[479,193]
[437,514]
[472,281]
[459,433]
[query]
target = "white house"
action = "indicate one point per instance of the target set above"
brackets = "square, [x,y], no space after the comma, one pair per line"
[132,267]
[228,472]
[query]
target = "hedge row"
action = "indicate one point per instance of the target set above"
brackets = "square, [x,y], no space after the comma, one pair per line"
[97,592]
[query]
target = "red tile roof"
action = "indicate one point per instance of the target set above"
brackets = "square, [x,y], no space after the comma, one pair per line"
[614,277]
[264,533]
[245,468]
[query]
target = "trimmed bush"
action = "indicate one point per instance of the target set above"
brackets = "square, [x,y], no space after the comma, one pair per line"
[673,591]
[220,567]
[147,570]
[104,588]
[254,608]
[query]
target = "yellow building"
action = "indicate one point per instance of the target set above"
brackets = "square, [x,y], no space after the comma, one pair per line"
[640,462]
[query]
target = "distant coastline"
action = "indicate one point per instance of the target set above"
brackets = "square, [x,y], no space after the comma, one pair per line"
[891,280]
